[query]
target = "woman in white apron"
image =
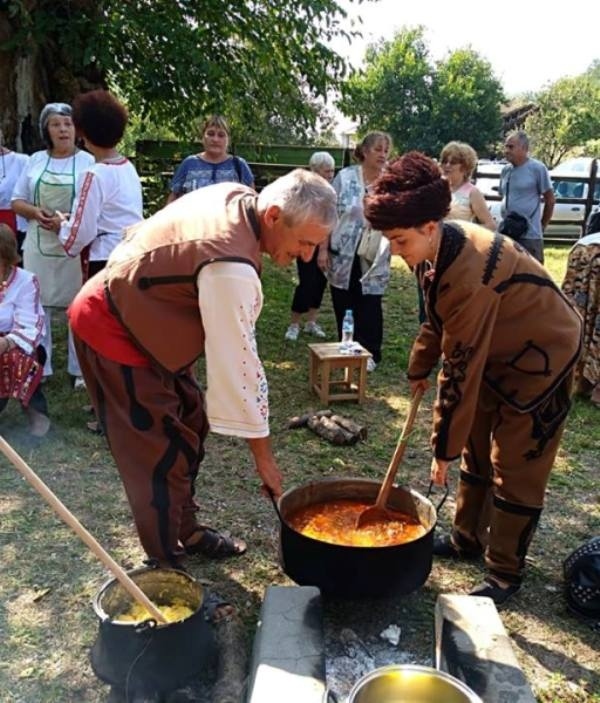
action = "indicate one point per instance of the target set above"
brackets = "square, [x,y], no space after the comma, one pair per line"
[46,186]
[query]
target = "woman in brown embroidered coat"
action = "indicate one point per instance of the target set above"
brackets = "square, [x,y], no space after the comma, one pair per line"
[508,341]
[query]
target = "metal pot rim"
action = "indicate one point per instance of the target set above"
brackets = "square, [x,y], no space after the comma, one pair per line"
[103,616]
[345,479]
[374,482]
[416,668]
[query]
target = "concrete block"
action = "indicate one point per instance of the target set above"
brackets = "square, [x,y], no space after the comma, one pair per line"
[288,657]
[472,645]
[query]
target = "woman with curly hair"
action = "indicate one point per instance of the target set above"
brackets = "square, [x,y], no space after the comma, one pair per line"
[109,197]
[508,341]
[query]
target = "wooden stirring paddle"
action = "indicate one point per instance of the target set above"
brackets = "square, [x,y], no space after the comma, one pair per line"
[379,512]
[67,516]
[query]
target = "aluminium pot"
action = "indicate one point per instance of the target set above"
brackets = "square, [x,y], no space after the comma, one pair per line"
[150,656]
[410,684]
[350,571]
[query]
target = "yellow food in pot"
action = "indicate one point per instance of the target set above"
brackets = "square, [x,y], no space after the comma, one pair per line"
[172,613]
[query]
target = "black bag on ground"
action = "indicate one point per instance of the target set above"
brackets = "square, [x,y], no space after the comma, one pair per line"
[513,225]
[582,580]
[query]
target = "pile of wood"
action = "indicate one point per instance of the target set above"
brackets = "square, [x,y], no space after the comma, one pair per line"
[334,428]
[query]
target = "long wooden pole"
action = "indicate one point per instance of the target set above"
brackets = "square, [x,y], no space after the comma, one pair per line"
[67,516]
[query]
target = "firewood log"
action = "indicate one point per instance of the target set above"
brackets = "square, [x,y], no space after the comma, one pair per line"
[302,420]
[331,431]
[346,423]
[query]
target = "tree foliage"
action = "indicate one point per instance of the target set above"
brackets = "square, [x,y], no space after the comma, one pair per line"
[466,101]
[176,59]
[567,118]
[421,103]
[593,71]
[393,90]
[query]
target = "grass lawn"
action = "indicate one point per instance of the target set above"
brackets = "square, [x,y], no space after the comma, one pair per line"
[48,577]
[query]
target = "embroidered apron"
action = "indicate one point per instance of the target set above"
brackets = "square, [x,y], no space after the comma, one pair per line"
[43,254]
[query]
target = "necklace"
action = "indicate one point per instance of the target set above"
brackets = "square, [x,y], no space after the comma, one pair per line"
[432,263]
[112,159]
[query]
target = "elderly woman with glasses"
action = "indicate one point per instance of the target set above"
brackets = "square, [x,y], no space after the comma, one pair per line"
[46,186]
[459,161]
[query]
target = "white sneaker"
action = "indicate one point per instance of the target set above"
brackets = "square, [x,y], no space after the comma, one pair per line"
[79,383]
[292,332]
[314,329]
[371,365]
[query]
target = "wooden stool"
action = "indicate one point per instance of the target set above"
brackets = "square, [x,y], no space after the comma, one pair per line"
[324,358]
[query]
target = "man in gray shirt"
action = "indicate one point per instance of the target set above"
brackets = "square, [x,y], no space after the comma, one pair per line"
[524,183]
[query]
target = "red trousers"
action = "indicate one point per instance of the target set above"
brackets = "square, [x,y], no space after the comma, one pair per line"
[505,468]
[155,424]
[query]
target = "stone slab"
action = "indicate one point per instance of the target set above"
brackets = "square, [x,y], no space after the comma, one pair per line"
[288,657]
[472,645]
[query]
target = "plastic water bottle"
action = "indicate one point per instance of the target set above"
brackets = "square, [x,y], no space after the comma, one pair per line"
[347,333]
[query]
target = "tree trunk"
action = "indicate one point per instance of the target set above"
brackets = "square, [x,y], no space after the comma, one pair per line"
[32,75]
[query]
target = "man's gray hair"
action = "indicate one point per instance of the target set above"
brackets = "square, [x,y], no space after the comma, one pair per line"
[521,136]
[321,159]
[301,195]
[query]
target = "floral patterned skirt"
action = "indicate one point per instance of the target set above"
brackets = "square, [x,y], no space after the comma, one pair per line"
[20,375]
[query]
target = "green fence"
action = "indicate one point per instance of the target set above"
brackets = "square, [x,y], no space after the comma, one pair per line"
[156,161]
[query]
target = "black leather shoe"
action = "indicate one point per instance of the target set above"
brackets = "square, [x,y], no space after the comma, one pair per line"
[445,548]
[490,589]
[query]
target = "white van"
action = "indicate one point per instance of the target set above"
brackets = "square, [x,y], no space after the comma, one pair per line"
[568,218]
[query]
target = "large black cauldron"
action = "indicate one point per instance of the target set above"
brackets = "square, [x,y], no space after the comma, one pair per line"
[356,571]
[152,657]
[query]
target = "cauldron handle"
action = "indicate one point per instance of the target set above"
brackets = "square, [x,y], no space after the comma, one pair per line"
[446,491]
[274,501]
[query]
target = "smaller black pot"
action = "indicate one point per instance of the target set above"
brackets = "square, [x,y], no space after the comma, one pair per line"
[346,571]
[149,656]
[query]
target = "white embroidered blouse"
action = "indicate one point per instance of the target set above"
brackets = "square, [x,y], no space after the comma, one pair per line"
[21,314]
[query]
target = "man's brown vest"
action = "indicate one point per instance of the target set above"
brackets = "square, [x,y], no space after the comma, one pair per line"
[151,277]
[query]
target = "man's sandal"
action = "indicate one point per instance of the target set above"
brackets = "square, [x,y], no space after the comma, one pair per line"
[216,545]
[95,427]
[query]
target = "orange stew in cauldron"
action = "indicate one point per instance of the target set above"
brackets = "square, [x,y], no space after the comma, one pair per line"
[334,522]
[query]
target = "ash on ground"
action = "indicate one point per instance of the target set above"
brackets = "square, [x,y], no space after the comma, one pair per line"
[349,657]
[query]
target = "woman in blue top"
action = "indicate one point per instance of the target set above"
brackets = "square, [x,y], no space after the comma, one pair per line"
[213,165]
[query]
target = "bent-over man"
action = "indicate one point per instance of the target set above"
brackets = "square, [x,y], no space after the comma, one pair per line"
[183,283]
